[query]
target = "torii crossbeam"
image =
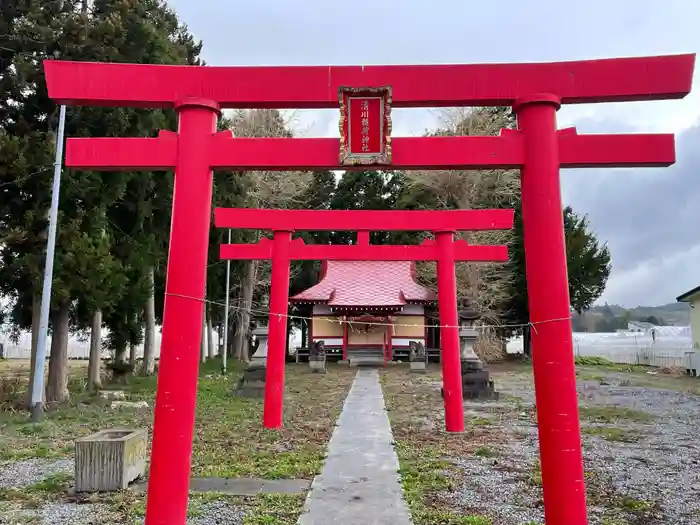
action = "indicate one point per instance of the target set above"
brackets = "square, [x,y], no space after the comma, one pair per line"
[282,249]
[537,148]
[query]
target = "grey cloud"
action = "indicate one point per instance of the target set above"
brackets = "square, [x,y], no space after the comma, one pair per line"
[268,32]
[648,216]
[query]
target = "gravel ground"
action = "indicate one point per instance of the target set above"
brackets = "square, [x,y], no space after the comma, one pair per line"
[26,472]
[60,513]
[219,513]
[652,480]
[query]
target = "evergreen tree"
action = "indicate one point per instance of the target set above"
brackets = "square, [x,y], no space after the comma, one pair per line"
[112,227]
[588,265]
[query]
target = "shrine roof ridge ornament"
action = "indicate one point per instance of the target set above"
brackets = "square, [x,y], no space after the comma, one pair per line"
[316,87]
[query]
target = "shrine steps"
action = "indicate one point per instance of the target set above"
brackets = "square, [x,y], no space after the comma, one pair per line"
[365,357]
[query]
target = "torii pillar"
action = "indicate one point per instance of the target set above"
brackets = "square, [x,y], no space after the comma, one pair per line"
[176,396]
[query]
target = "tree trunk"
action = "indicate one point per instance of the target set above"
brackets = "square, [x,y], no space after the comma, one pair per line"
[210,334]
[36,320]
[233,325]
[287,356]
[149,343]
[241,337]
[304,334]
[133,347]
[120,353]
[527,341]
[94,368]
[57,386]
[203,346]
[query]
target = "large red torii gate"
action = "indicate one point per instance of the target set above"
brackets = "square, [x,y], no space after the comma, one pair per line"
[444,249]
[534,90]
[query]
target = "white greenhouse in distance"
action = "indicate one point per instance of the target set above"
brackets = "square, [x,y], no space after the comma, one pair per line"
[640,344]
[692,297]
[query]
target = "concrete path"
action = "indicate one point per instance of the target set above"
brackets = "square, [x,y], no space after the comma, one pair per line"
[359,483]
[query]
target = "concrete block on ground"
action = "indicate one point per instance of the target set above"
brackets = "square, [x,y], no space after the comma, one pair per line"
[110,459]
[317,366]
[129,404]
[418,366]
[112,395]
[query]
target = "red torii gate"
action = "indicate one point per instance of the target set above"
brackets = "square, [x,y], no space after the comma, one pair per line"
[534,90]
[282,249]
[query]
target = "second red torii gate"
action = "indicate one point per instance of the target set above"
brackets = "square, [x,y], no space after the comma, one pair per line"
[282,249]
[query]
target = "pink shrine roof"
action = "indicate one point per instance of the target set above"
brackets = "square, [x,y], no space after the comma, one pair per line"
[367,283]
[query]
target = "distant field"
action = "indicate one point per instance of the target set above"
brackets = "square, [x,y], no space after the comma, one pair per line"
[21,366]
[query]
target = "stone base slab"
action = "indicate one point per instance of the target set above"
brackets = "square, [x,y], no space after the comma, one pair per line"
[418,366]
[318,366]
[252,384]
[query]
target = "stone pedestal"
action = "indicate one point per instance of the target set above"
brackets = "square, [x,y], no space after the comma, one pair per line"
[317,364]
[110,459]
[317,358]
[418,366]
[476,381]
[252,384]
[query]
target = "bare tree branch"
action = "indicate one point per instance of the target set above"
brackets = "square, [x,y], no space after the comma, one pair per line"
[484,286]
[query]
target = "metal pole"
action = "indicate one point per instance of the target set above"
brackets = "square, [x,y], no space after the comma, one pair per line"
[228,284]
[40,362]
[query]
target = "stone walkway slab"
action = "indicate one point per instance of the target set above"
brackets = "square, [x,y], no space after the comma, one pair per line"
[359,484]
[243,486]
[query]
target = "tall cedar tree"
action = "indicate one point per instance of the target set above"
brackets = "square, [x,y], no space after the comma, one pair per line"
[94,268]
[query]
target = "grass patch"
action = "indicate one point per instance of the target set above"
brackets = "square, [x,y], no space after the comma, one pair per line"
[635,505]
[129,508]
[50,488]
[485,452]
[588,376]
[593,361]
[611,414]
[427,453]
[613,434]
[229,439]
[450,518]
[607,364]
[534,477]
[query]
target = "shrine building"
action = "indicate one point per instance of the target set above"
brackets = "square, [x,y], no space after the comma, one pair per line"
[368,309]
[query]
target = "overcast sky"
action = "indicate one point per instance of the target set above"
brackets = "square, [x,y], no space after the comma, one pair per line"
[650,218]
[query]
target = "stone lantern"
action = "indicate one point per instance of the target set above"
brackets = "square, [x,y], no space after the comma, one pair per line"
[259,357]
[476,380]
[252,383]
